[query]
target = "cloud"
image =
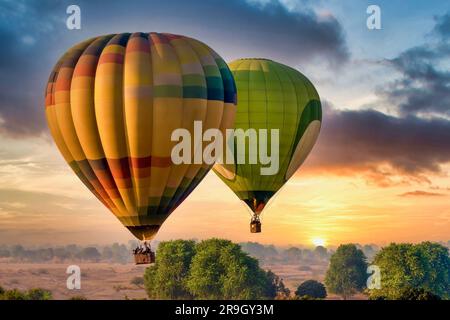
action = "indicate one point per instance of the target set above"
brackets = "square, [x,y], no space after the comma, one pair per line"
[402,149]
[27,34]
[292,32]
[424,85]
[33,36]
[381,145]
[420,193]
[442,27]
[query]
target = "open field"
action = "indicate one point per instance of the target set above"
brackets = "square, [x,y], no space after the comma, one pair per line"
[294,274]
[98,280]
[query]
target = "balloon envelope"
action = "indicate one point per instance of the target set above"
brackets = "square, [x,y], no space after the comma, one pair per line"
[112,103]
[271,96]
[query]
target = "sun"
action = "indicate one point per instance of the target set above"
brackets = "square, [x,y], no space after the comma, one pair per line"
[318,242]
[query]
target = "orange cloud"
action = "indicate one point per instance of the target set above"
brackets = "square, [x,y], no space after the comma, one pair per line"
[420,193]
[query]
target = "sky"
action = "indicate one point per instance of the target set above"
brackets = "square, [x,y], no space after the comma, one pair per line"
[379,172]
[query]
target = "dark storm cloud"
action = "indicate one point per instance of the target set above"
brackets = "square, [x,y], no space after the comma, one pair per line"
[33,36]
[364,139]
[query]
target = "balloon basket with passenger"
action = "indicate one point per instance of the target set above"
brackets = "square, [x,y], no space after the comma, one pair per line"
[255,224]
[143,254]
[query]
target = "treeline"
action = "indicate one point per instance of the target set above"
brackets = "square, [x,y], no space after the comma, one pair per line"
[406,272]
[220,269]
[115,253]
[121,253]
[292,255]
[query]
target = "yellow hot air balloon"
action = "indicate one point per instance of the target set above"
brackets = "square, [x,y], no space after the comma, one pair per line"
[112,103]
[271,96]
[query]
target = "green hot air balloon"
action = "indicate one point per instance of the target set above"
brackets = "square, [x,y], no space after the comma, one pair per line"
[271,96]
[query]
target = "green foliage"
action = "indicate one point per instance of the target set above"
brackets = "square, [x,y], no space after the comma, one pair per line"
[221,270]
[32,294]
[13,294]
[167,278]
[403,266]
[346,274]
[211,269]
[311,289]
[410,294]
[39,294]
[276,287]
[417,294]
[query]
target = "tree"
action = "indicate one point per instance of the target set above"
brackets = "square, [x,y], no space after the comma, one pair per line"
[72,250]
[32,294]
[39,294]
[120,253]
[417,294]
[90,253]
[276,288]
[4,253]
[312,289]
[221,270]
[211,269]
[107,253]
[346,274]
[321,252]
[259,251]
[167,278]
[18,252]
[13,294]
[307,254]
[61,253]
[293,254]
[404,266]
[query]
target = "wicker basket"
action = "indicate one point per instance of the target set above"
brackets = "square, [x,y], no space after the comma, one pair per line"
[144,258]
[255,227]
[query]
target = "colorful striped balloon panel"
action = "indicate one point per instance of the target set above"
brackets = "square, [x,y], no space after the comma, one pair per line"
[112,103]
